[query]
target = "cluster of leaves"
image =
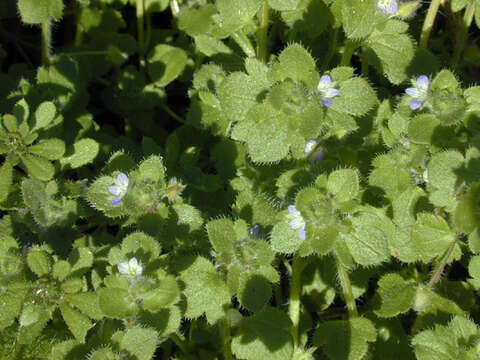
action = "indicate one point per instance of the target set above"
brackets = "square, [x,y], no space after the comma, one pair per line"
[254,179]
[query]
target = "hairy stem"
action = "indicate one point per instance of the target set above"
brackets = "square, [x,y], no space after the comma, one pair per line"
[441,266]
[298,265]
[172,113]
[140,32]
[428,23]
[46,41]
[463,34]
[262,34]
[347,290]
[226,339]
[350,47]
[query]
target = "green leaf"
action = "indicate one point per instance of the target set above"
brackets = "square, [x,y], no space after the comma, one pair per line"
[421,129]
[38,167]
[344,184]
[12,305]
[359,18]
[99,197]
[34,12]
[254,292]
[235,17]
[221,233]
[474,241]
[140,343]
[40,262]
[166,294]
[81,260]
[82,152]
[166,63]
[394,48]
[295,63]
[265,130]
[44,115]
[77,323]
[265,335]
[6,178]
[442,169]
[356,96]
[345,339]
[396,295]
[61,269]
[447,342]
[432,236]
[32,320]
[467,213]
[87,303]
[196,21]
[205,291]
[152,169]
[51,149]
[283,239]
[210,45]
[369,242]
[114,303]
[284,5]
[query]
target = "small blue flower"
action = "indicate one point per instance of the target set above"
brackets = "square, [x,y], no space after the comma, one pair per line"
[419,91]
[120,189]
[326,90]
[317,155]
[387,6]
[297,222]
[131,268]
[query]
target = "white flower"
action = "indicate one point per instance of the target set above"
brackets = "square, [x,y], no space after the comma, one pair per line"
[132,268]
[120,189]
[297,222]
[326,90]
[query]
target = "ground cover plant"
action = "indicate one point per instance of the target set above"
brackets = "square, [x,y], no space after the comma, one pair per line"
[239,179]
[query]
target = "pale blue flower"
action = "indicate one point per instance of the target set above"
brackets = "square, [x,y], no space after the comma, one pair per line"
[419,91]
[120,189]
[326,90]
[131,269]
[387,6]
[296,221]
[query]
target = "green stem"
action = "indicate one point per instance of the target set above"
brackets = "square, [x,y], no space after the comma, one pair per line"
[180,342]
[175,9]
[148,35]
[364,64]
[441,266]
[172,113]
[428,23]
[463,34]
[348,51]
[262,35]
[347,290]
[46,41]
[140,32]
[226,339]
[298,264]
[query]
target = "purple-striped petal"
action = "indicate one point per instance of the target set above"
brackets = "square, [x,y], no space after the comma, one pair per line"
[114,190]
[413,92]
[392,7]
[327,102]
[116,200]
[292,210]
[423,82]
[122,179]
[415,104]
[325,81]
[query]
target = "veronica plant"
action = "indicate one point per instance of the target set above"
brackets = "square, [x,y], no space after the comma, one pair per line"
[257,179]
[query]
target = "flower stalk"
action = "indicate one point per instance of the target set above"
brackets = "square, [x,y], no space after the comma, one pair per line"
[262,34]
[428,23]
[346,285]
[298,264]
[46,41]
[463,33]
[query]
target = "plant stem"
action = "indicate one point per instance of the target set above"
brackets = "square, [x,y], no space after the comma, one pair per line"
[350,47]
[226,339]
[298,264]
[140,32]
[347,290]
[172,113]
[463,34]
[181,343]
[46,42]
[441,266]
[428,23]
[262,35]
[87,53]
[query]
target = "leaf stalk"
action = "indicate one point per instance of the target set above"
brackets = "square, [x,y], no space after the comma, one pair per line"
[346,285]
[262,34]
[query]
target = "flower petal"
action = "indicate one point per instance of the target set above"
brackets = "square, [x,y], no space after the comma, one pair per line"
[310,145]
[295,224]
[292,210]
[317,156]
[423,82]
[415,104]
[122,268]
[117,200]
[325,81]
[327,102]
[330,93]
[302,234]
[114,190]
[122,179]
[392,7]
[413,92]
[133,263]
